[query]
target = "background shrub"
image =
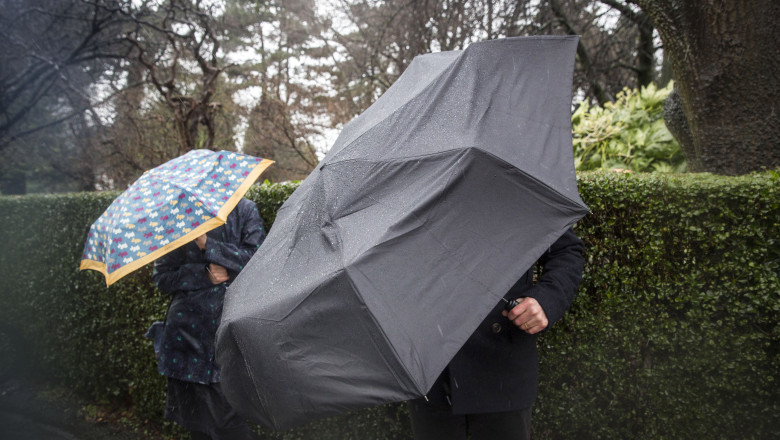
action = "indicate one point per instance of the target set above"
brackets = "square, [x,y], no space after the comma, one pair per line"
[675,332]
[628,134]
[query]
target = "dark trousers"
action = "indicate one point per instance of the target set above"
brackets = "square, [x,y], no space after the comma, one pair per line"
[204,411]
[430,422]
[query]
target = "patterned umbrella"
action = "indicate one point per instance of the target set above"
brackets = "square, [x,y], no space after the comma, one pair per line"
[167,207]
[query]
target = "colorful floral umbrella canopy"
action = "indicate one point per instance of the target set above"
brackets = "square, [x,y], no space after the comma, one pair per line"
[167,207]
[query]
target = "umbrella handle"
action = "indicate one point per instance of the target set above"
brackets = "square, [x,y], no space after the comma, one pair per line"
[510,304]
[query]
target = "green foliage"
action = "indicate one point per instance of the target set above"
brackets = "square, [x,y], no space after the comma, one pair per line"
[675,332]
[628,134]
[78,331]
[387,422]
[269,198]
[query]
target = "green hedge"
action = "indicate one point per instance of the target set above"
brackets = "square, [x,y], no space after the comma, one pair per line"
[75,330]
[675,332]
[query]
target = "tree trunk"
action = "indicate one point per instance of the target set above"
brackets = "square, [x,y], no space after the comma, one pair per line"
[726,61]
[645,51]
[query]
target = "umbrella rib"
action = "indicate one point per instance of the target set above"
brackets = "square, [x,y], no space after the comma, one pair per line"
[377,162]
[543,184]
[386,338]
[432,82]
[257,393]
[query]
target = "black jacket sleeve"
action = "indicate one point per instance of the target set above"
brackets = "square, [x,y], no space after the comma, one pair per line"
[172,273]
[175,272]
[234,256]
[562,266]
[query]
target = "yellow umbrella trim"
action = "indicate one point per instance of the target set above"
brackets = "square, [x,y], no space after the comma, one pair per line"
[210,224]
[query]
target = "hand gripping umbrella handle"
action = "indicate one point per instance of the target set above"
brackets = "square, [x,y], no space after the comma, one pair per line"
[510,304]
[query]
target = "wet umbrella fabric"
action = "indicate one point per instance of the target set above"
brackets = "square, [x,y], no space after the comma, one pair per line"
[167,207]
[427,209]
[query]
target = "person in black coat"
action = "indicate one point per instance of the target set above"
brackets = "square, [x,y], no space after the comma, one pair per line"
[196,276]
[489,386]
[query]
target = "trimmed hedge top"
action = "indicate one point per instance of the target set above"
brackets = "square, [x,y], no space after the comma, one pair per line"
[675,332]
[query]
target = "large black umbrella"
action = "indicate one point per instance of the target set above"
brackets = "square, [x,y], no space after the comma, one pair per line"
[427,209]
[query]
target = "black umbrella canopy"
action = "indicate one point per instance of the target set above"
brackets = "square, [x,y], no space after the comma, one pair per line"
[427,209]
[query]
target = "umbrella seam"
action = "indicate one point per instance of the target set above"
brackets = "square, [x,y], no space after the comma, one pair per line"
[474,147]
[384,335]
[434,82]
[408,101]
[249,372]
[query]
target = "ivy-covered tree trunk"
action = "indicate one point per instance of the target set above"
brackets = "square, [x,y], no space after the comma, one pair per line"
[726,63]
